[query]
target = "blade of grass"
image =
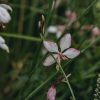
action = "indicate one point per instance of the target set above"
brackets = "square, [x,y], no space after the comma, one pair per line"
[39,87]
[28,38]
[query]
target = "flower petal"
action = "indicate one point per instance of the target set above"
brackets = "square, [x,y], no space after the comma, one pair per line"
[52,29]
[58,34]
[7,7]
[50,46]
[4,15]
[49,60]
[51,94]
[71,53]
[4,47]
[65,42]
[2,40]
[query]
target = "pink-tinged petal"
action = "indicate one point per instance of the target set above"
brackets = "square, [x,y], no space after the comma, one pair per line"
[51,94]
[51,46]
[71,53]
[50,60]
[65,42]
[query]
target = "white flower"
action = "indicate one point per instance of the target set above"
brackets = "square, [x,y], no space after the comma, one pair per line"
[3,45]
[52,29]
[58,30]
[4,14]
[64,53]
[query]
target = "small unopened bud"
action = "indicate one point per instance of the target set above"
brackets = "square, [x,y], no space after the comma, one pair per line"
[41,24]
[95,31]
[71,15]
[51,94]
[43,18]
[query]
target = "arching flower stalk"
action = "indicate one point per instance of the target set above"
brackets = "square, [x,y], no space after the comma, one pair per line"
[63,53]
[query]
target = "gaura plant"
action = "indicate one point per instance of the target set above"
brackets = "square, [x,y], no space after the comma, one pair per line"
[58,53]
[63,53]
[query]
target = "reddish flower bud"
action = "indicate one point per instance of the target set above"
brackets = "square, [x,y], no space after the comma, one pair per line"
[51,94]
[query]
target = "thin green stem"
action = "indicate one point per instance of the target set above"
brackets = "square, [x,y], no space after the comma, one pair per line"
[29,38]
[66,78]
[93,41]
[67,81]
[90,5]
[50,13]
[39,87]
